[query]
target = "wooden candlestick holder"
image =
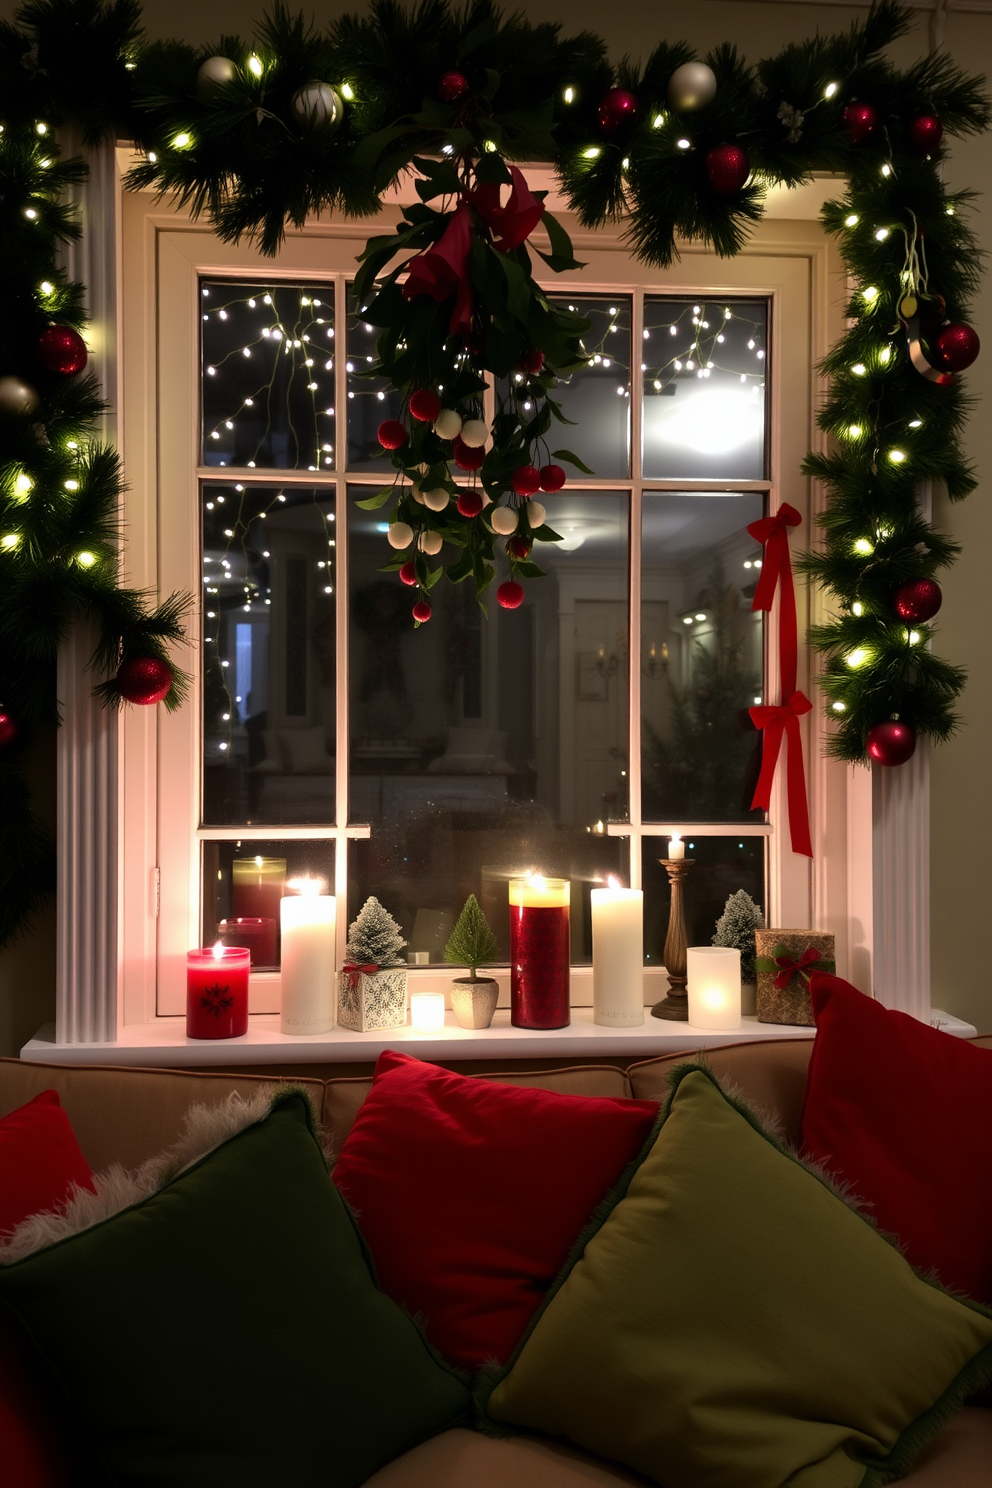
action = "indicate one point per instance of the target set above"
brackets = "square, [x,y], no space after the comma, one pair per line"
[675,1006]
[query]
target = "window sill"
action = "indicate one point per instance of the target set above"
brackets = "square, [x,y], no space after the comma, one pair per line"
[163,1042]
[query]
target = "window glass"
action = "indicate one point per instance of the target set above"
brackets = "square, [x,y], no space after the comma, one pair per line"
[268,375]
[701,657]
[243,883]
[269,565]
[483,748]
[370,399]
[596,398]
[721,866]
[703,375]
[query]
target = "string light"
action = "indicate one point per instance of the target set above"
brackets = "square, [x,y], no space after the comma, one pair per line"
[857,608]
[857,657]
[23,486]
[182,140]
[255,66]
[684,144]
[881,233]
[859,369]
[593,153]
[86,559]
[569,95]
[852,219]
[10,540]
[348,92]
[870,294]
[840,707]
[854,431]
[830,90]
[897,456]
[863,547]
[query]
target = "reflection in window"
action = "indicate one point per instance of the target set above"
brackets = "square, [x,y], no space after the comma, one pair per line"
[483,750]
[703,370]
[243,883]
[370,399]
[721,866]
[268,375]
[701,663]
[268,653]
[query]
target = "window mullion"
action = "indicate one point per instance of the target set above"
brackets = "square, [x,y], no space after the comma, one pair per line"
[342,638]
[634,590]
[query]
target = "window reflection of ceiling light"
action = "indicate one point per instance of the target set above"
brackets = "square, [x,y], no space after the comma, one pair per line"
[573,535]
[712,422]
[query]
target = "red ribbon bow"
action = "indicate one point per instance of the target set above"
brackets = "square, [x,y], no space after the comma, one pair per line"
[442,271]
[773,532]
[513,224]
[353,971]
[809,957]
[776,722]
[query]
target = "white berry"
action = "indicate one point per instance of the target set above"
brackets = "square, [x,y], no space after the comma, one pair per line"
[448,424]
[400,535]
[536,514]
[475,432]
[436,500]
[430,542]
[504,520]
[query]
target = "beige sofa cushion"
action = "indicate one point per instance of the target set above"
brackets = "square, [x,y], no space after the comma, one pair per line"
[466,1459]
[770,1075]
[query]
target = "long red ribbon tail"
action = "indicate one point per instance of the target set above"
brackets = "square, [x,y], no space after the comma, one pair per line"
[776,722]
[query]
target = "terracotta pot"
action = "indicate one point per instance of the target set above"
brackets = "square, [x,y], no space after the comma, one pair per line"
[474,1003]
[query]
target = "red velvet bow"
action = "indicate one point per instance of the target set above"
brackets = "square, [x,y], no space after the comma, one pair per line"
[353,971]
[810,957]
[513,224]
[776,722]
[442,271]
[773,533]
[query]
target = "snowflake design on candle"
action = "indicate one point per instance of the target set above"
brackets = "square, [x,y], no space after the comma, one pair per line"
[216,1000]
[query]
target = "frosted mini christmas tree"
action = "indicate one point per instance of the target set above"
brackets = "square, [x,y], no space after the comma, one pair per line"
[374,937]
[736,927]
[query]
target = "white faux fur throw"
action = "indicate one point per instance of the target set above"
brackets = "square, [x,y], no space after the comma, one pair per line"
[205,1129]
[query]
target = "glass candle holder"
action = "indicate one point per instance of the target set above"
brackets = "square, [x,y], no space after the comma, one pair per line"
[258,933]
[539,952]
[217,992]
[427,1011]
[714,987]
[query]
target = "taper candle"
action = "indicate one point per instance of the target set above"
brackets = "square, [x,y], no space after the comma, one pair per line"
[714,987]
[308,923]
[676,847]
[617,955]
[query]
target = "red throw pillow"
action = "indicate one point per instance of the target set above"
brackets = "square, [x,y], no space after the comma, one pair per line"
[903,1113]
[471,1193]
[40,1162]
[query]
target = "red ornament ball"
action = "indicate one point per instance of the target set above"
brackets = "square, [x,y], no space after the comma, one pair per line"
[526,480]
[917,601]
[552,477]
[860,119]
[425,406]
[518,547]
[452,87]
[144,679]
[407,573]
[532,363]
[955,347]
[467,456]
[61,349]
[727,169]
[618,107]
[891,743]
[510,595]
[469,503]
[926,133]
[392,435]
[422,611]
[8,730]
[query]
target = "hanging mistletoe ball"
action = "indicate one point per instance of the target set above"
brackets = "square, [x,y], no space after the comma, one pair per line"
[861,119]
[144,679]
[691,86]
[553,477]
[8,730]
[422,612]
[61,349]
[504,520]
[392,434]
[510,595]
[956,346]
[452,87]
[425,405]
[470,503]
[891,743]
[917,601]
[467,457]
[407,573]
[925,134]
[519,547]
[526,480]
[727,169]
[618,107]
[17,397]
[318,106]
[213,74]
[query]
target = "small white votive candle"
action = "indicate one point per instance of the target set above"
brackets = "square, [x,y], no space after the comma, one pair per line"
[676,847]
[427,1011]
[714,987]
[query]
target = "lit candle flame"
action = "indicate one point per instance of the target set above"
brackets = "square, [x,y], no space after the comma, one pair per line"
[218,950]
[613,882]
[308,887]
[675,837]
[537,881]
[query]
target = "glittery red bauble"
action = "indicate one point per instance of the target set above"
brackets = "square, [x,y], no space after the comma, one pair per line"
[860,119]
[469,503]
[617,109]
[552,477]
[422,611]
[532,363]
[891,743]
[955,347]
[61,349]
[425,406]
[727,169]
[144,679]
[452,87]
[918,600]
[8,730]
[518,547]
[468,456]
[510,595]
[392,435]
[407,573]
[526,480]
[925,134]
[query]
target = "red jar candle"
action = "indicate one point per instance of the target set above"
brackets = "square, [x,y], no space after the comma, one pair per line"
[257,887]
[255,932]
[217,992]
[539,952]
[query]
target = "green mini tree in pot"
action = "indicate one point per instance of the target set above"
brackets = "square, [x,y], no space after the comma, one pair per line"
[472,944]
[372,983]
[735,928]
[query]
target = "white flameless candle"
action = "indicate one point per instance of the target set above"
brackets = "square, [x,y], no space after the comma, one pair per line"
[617,956]
[427,1011]
[676,847]
[714,987]
[308,921]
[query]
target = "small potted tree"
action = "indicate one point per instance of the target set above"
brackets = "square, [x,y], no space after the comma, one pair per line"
[372,983]
[471,944]
[735,928]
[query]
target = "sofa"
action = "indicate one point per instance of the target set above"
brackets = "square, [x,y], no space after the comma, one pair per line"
[128,1115]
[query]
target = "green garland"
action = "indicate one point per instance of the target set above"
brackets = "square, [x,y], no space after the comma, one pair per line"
[249,153]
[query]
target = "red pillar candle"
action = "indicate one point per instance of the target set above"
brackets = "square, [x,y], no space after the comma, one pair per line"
[255,932]
[539,952]
[257,886]
[217,992]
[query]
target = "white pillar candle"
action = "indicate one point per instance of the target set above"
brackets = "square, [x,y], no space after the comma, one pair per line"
[308,919]
[617,956]
[427,1011]
[714,987]
[676,847]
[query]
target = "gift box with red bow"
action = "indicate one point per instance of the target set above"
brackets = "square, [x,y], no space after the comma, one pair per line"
[783,963]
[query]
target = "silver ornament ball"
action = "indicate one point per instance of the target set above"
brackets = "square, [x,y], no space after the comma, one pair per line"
[691,86]
[213,73]
[16,396]
[318,105]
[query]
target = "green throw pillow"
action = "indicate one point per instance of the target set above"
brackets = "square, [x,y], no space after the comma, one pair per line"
[732,1323]
[216,1321]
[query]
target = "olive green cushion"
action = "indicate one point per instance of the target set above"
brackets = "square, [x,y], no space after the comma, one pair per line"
[226,1329]
[733,1323]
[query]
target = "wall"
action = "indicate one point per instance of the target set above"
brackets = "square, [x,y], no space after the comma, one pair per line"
[961,801]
